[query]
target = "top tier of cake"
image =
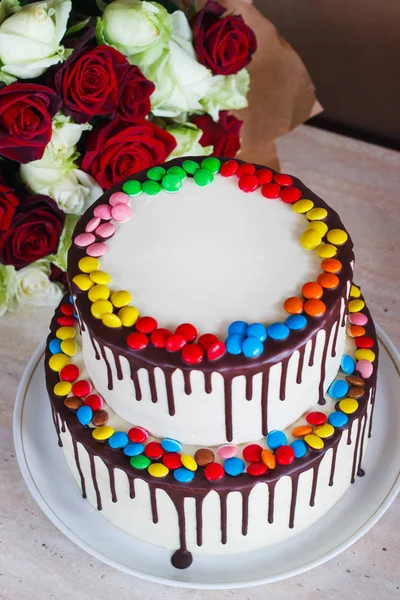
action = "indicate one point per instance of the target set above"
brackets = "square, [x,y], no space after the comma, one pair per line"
[230,259]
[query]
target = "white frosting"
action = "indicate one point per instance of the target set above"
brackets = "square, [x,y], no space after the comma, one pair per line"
[210,256]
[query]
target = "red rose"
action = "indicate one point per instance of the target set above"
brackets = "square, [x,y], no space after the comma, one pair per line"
[26,110]
[224,45]
[134,95]
[8,204]
[116,150]
[224,135]
[34,232]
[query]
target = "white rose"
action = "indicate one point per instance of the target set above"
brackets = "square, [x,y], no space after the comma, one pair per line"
[65,135]
[226,93]
[30,39]
[187,137]
[32,287]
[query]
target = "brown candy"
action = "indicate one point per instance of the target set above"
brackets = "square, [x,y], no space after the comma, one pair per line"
[73,403]
[100,418]
[204,457]
[354,380]
[356,392]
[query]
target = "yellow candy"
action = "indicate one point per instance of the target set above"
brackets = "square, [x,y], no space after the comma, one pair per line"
[100,277]
[87,264]
[337,236]
[65,333]
[69,347]
[128,315]
[111,320]
[121,298]
[317,214]
[310,239]
[314,441]
[365,354]
[326,250]
[100,308]
[355,291]
[356,305]
[319,226]
[62,388]
[302,206]
[324,431]
[58,362]
[102,433]
[158,470]
[348,405]
[99,292]
[189,462]
[83,282]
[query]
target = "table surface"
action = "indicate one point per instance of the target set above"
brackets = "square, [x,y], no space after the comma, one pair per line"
[37,562]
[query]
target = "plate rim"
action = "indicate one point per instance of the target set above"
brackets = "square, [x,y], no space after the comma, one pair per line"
[29,480]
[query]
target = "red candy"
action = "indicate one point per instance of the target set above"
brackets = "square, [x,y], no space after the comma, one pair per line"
[81,388]
[94,401]
[67,309]
[264,176]
[364,342]
[214,471]
[137,434]
[159,337]
[175,342]
[188,331]
[256,469]
[137,340]
[248,183]
[69,373]
[290,195]
[216,351]
[270,190]
[282,179]
[284,455]
[67,321]
[229,168]
[252,453]
[172,460]
[245,169]
[207,340]
[146,324]
[192,354]
[154,450]
[316,418]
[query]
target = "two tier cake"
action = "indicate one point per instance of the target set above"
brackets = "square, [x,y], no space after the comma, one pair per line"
[212,374]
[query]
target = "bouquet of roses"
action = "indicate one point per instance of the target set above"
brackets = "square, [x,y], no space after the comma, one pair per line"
[85,102]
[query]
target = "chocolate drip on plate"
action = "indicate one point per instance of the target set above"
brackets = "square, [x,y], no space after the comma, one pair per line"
[78,466]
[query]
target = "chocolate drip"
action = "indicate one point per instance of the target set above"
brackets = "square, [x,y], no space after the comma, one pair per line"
[63,427]
[334,343]
[343,323]
[136,382]
[249,387]
[199,520]
[187,382]
[372,411]
[110,383]
[56,425]
[245,511]
[314,482]
[271,501]
[300,365]
[153,503]
[323,367]
[152,384]
[118,366]
[282,387]
[94,480]
[95,350]
[264,402]
[223,497]
[78,466]
[228,408]
[170,392]
[111,476]
[355,453]
[182,558]
[293,499]
[208,382]
[360,471]
[132,491]
[333,465]
[312,351]
[349,434]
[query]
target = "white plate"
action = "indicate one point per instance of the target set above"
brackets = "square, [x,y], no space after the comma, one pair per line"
[50,483]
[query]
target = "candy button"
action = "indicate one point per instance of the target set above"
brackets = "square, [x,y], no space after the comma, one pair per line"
[355,291]
[67,321]
[171,183]
[84,414]
[314,307]
[105,230]
[175,342]
[245,169]
[137,340]
[356,305]
[314,441]
[146,324]
[270,190]
[252,347]
[324,431]
[365,368]
[100,277]
[316,418]
[293,305]
[189,462]
[171,445]
[69,373]
[229,168]
[128,315]
[137,434]
[94,401]
[356,392]
[65,333]
[317,214]
[121,298]
[81,388]
[256,469]
[188,331]
[159,337]
[211,163]
[103,211]
[177,170]
[100,308]
[214,472]
[190,166]
[347,364]
[192,354]
[57,362]
[296,322]
[275,439]
[338,419]
[358,319]
[132,187]
[326,250]
[303,206]
[233,344]
[151,188]
[207,340]
[337,236]
[99,292]
[310,239]
[364,342]
[100,418]
[257,330]
[338,389]
[299,448]
[87,264]
[227,451]
[290,194]
[140,462]
[96,249]
[278,331]
[355,331]
[248,183]
[252,453]
[172,460]
[283,179]
[121,213]
[156,173]
[328,281]
[118,198]
[62,388]
[301,431]
[119,439]
[268,459]
[354,380]
[365,354]
[331,265]
[234,466]
[284,455]
[102,433]
[264,176]
[153,450]
[133,449]
[84,239]
[183,475]
[203,177]
[348,405]
[69,347]
[312,290]
[204,456]
[318,226]
[216,351]
[111,320]
[92,224]
[55,346]
[237,328]
[73,403]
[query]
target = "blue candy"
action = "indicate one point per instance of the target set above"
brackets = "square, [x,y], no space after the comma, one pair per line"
[338,419]
[338,389]
[237,328]
[183,475]
[252,347]
[55,346]
[234,466]
[84,414]
[347,364]
[299,448]
[296,322]
[70,299]
[133,449]
[171,445]
[119,439]
[278,331]
[257,330]
[275,439]
[233,343]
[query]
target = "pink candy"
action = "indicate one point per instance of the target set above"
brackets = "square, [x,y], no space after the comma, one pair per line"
[121,212]
[103,211]
[105,230]
[358,319]
[227,451]
[93,223]
[84,239]
[118,198]
[97,249]
[365,368]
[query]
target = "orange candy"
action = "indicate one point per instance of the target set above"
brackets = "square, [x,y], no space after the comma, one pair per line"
[293,305]
[314,307]
[312,290]
[331,265]
[355,331]
[301,431]
[328,280]
[268,459]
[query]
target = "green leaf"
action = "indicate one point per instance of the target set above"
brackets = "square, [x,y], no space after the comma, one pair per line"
[78,26]
[7,281]
[60,259]
[8,8]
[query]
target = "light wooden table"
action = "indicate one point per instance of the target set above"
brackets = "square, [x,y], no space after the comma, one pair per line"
[38,563]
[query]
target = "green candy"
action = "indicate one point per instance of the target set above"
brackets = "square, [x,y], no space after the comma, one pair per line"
[177,171]
[203,177]
[171,183]
[140,462]
[211,164]
[151,187]
[132,187]
[190,166]
[156,173]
